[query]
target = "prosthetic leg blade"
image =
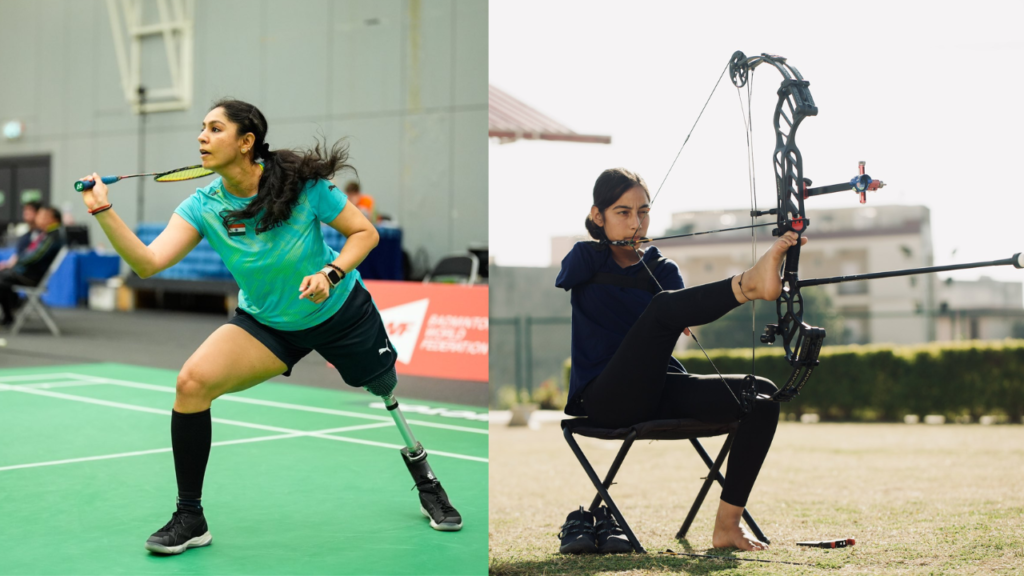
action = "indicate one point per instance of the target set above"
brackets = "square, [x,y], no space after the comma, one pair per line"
[434,503]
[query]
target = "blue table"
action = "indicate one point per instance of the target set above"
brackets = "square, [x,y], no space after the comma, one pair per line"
[69,285]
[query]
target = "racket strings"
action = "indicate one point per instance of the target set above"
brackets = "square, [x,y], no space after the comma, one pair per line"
[184,174]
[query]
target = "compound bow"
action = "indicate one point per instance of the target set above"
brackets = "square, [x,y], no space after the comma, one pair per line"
[801,341]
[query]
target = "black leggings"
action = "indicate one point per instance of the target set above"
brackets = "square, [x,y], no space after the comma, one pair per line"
[635,387]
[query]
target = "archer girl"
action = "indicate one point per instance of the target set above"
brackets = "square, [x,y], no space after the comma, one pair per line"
[623,372]
[297,294]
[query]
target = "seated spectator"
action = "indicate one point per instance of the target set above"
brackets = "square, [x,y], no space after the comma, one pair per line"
[32,262]
[362,201]
[28,215]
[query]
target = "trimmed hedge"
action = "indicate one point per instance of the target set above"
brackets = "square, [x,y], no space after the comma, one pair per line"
[885,382]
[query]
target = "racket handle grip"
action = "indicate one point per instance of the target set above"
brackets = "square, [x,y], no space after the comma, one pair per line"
[83,185]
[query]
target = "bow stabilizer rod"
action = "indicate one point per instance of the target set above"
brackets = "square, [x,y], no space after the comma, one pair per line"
[1017,261]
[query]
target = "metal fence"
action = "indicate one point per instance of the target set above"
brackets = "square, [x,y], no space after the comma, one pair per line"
[526,350]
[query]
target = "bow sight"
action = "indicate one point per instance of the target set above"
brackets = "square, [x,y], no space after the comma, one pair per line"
[862,184]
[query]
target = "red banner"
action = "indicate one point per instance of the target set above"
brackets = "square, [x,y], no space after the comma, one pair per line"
[438,330]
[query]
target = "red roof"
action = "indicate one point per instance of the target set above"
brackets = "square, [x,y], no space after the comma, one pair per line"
[509,119]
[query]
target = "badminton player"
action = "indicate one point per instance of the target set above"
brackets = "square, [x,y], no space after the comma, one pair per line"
[263,216]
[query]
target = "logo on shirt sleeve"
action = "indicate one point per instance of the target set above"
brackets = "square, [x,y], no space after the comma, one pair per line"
[236,229]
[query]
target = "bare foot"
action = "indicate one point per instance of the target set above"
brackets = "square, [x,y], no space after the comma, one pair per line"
[737,537]
[762,281]
[729,533]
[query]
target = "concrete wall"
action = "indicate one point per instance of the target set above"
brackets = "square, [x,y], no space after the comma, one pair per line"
[404,80]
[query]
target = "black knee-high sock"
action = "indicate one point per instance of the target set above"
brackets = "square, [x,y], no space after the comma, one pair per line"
[190,438]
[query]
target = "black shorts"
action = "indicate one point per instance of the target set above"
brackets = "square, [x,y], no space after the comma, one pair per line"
[353,340]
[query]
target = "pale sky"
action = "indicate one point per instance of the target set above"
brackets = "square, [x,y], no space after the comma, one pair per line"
[928,94]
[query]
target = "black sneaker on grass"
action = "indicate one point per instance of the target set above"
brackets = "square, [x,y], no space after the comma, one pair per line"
[187,529]
[577,533]
[434,504]
[610,537]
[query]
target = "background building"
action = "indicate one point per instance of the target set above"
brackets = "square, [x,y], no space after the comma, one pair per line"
[983,309]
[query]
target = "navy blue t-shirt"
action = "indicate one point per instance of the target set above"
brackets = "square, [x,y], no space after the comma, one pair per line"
[603,313]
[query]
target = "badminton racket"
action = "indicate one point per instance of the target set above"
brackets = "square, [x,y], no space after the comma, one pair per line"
[186,173]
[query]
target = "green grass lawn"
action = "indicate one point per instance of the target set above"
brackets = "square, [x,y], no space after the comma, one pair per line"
[918,500]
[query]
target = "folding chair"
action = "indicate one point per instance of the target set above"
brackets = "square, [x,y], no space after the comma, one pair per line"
[459,266]
[34,295]
[684,429]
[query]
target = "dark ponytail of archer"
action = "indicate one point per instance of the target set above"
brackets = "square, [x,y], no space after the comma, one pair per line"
[285,172]
[610,186]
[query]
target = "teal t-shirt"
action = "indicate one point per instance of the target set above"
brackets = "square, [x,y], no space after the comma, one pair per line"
[269,267]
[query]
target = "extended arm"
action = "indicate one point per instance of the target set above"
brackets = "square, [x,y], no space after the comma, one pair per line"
[177,240]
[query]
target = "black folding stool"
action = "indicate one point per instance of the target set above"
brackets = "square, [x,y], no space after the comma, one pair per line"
[683,429]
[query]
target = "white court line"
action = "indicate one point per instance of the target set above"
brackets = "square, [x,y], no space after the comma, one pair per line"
[273,404]
[161,450]
[167,389]
[229,422]
[55,375]
[48,385]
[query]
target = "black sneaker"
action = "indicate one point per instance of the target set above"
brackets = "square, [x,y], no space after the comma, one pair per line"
[187,529]
[434,504]
[610,537]
[577,533]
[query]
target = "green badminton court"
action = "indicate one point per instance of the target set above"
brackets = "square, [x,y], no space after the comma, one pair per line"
[301,480]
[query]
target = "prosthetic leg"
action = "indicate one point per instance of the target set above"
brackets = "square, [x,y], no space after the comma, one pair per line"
[434,502]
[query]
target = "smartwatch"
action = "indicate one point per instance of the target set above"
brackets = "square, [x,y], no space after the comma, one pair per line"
[333,276]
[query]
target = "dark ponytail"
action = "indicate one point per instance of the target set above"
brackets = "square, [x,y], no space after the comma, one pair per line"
[285,172]
[610,186]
